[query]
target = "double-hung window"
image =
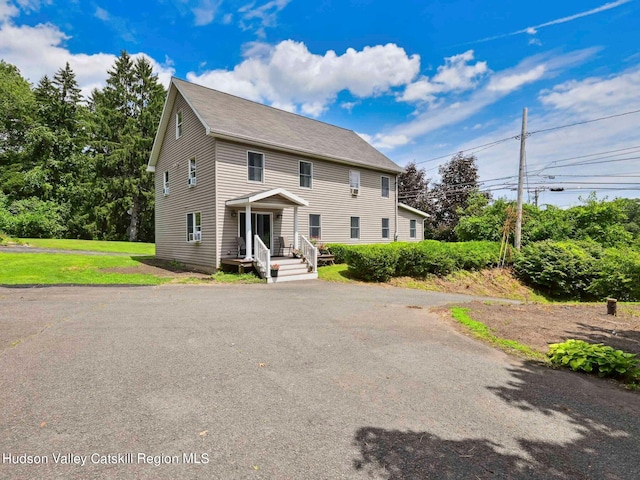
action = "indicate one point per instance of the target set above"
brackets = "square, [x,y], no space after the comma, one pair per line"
[179,124]
[384,186]
[192,172]
[306,174]
[315,230]
[194,227]
[412,229]
[354,181]
[385,228]
[165,183]
[355,227]
[255,167]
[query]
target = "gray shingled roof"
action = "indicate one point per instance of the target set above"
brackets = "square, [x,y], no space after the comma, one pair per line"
[232,116]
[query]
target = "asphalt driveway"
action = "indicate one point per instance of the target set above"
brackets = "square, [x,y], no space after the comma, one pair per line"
[291,381]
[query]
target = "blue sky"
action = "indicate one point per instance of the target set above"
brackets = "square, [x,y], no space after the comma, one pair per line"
[417,79]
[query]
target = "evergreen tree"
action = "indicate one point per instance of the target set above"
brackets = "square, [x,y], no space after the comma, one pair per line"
[126,114]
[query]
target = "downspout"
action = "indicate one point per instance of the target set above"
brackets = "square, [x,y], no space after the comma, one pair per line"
[395,234]
[218,246]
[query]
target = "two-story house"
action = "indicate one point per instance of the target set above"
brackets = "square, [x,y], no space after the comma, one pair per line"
[233,176]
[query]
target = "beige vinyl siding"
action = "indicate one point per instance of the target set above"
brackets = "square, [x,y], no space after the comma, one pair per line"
[330,196]
[171,210]
[404,217]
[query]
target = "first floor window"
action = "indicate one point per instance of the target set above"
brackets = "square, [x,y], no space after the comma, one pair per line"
[192,171]
[385,228]
[412,229]
[355,227]
[306,174]
[165,183]
[255,167]
[194,227]
[384,189]
[314,226]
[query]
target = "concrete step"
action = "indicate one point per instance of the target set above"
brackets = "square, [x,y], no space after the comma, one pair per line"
[293,278]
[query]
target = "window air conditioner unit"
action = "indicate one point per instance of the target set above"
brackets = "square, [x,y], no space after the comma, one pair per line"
[197,236]
[355,191]
[192,181]
[165,190]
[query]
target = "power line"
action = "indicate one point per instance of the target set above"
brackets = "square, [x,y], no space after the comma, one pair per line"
[583,122]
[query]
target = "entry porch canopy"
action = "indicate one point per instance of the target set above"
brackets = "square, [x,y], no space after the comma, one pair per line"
[275,198]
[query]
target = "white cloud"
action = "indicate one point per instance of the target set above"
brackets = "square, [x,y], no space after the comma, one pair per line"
[261,17]
[227,18]
[206,11]
[445,113]
[385,142]
[40,50]
[457,74]
[102,14]
[534,29]
[508,83]
[7,10]
[289,74]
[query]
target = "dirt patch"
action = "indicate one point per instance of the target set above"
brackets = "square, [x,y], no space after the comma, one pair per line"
[538,325]
[497,283]
[159,268]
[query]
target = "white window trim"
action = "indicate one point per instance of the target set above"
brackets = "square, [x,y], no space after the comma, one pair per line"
[388,228]
[320,226]
[165,183]
[264,169]
[300,162]
[388,195]
[353,188]
[415,230]
[179,115]
[351,228]
[192,173]
[195,228]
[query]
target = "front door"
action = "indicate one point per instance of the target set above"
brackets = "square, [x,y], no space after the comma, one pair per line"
[260,225]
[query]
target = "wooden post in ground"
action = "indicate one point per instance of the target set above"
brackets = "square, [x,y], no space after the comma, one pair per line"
[612,306]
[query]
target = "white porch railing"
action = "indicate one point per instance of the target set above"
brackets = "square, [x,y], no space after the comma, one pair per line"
[310,253]
[262,257]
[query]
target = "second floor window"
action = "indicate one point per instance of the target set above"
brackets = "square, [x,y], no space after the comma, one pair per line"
[255,167]
[192,172]
[179,124]
[385,182]
[306,174]
[165,183]
[354,181]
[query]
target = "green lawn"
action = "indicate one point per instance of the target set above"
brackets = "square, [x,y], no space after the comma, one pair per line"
[44,268]
[92,245]
[335,273]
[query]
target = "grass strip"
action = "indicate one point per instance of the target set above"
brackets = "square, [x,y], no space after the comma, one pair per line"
[91,245]
[51,269]
[480,330]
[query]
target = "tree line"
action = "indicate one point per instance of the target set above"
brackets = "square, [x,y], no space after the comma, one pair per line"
[72,167]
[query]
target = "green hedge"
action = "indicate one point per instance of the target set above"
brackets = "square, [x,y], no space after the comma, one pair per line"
[379,262]
[580,270]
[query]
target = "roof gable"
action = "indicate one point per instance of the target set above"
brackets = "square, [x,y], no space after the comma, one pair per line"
[227,116]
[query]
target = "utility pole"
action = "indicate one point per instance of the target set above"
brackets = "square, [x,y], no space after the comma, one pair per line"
[523,137]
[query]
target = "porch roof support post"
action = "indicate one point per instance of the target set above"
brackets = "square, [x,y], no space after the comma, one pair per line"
[295,227]
[248,233]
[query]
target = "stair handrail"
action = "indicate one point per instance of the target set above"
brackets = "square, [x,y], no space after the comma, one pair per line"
[309,253]
[262,256]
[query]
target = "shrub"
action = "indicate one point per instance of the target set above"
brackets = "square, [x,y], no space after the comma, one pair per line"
[340,252]
[35,218]
[375,263]
[617,275]
[561,269]
[594,358]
